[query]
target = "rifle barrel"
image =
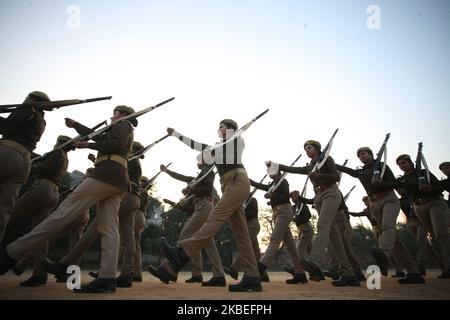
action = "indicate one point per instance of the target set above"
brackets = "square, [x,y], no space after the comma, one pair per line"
[53,104]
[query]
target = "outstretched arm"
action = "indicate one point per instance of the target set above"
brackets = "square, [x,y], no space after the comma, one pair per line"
[179,176]
[349,171]
[299,170]
[260,186]
[188,141]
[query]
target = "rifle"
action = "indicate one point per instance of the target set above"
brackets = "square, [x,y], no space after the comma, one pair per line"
[65,144]
[340,173]
[300,205]
[62,194]
[346,198]
[235,135]
[130,116]
[283,176]
[50,104]
[325,153]
[250,196]
[348,194]
[377,176]
[170,202]
[150,182]
[419,160]
[139,153]
[319,163]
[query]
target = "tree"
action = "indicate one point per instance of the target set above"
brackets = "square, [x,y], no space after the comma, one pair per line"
[407,238]
[267,224]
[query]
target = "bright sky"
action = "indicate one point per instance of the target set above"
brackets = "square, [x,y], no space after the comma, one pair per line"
[316,64]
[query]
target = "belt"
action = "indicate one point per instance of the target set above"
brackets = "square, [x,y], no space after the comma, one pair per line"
[426,200]
[325,187]
[230,173]
[280,207]
[16,146]
[112,157]
[375,196]
[201,198]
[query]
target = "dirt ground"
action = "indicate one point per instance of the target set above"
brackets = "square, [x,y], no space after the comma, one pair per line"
[152,288]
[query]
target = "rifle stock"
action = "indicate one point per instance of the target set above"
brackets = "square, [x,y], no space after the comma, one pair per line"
[376,173]
[128,117]
[150,182]
[51,104]
[325,153]
[65,144]
[143,151]
[422,179]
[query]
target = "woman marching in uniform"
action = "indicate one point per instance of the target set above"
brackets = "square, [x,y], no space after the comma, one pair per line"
[235,189]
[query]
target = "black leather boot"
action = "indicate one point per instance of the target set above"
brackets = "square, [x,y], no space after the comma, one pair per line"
[399,274]
[348,281]
[382,260]
[176,255]
[315,273]
[360,276]
[160,273]
[137,278]
[412,278]
[231,272]
[215,282]
[54,267]
[124,281]
[262,272]
[331,274]
[34,281]
[289,270]
[298,278]
[247,284]
[194,279]
[6,262]
[98,285]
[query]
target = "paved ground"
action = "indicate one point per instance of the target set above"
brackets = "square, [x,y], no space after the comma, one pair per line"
[151,288]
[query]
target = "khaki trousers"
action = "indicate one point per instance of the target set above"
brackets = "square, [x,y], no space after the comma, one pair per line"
[282,216]
[38,203]
[127,217]
[139,225]
[14,170]
[419,233]
[385,211]
[235,189]
[394,260]
[129,203]
[191,227]
[75,231]
[434,217]
[306,233]
[87,194]
[345,229]
[253,230]
[327,204]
